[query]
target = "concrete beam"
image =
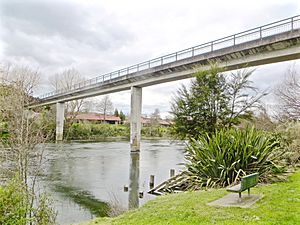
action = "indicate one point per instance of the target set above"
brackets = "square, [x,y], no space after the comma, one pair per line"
[60,111]
[135,118]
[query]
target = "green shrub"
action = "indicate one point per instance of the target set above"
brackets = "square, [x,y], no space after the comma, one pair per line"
[16,208]
[93,131]
[14,204]
[155,131]
[227,155]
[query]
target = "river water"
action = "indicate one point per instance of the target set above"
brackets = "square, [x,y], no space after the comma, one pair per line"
[82,178]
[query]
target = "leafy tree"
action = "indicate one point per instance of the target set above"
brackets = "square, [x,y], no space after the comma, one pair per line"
[122,116]
[116,113]
[213,102]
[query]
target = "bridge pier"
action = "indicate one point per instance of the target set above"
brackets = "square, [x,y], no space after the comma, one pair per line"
[135,118]
[60,111]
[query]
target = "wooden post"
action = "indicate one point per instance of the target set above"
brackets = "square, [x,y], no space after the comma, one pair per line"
[151,183]
[141,194]
[172,172]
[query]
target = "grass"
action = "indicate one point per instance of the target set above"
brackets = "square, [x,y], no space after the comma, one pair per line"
[280,205]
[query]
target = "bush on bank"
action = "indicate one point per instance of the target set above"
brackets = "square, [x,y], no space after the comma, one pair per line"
[87,131]
[227,155]
[16,207]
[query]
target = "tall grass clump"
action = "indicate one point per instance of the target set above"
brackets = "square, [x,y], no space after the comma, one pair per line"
[290,132]
[222,158]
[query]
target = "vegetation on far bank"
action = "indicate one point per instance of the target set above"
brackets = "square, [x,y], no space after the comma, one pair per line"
[280,205]
[90,131]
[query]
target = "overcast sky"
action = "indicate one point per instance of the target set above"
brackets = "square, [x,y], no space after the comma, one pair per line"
[97,37]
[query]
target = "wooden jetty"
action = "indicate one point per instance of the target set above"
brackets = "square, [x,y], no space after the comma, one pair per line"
[176,183]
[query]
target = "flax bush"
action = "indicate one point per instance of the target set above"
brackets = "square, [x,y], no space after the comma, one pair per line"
[224,157]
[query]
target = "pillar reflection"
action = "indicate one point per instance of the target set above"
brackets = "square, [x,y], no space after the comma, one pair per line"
[133,201]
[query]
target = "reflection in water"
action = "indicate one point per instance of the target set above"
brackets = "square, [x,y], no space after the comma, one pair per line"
[85,199]
[83,177]
[133,200]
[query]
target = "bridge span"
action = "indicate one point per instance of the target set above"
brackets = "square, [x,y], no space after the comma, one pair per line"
[271,43]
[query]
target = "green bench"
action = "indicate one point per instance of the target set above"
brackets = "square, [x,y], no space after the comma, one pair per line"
[247,182]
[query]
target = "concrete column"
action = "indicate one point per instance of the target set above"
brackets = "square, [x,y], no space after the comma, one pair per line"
[135,118]
[60,111]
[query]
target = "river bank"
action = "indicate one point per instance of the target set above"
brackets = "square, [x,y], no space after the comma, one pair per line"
[280,205]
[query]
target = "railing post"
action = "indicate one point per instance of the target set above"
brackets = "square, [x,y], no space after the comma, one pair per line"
[137,67]
[127,70]
[161,60]
[193,51]
[176,56]
[149,64]
[260,33]
[234,40]
[292,23]
[118,73]
[212,46]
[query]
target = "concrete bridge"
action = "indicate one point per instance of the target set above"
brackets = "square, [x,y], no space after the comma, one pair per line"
[271,43]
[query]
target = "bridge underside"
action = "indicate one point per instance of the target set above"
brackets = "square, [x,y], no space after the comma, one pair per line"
[277,48]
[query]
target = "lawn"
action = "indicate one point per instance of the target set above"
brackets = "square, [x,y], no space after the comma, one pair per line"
[280,205]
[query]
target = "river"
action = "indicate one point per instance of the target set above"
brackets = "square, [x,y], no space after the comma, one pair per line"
[82,178]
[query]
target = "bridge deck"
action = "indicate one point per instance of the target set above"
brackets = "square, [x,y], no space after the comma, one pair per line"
[275,42]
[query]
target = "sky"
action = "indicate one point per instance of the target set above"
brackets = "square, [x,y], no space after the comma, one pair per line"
[97,37]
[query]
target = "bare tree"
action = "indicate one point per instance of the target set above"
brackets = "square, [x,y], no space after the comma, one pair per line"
[65,81]
[88,105]
[155,117]
[244,97]
[105,106]
[288,95]
[22,149]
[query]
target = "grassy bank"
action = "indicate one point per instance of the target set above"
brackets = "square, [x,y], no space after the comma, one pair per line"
[280,205]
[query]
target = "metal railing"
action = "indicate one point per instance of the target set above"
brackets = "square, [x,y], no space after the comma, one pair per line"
[271,29]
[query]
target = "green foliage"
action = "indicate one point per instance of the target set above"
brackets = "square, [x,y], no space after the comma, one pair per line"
[203,107]
[155,131]
[86,131]
[212,102]
[122,116]
[16,208]
[90,131]
[116,113]
[14,203]
[222,158]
